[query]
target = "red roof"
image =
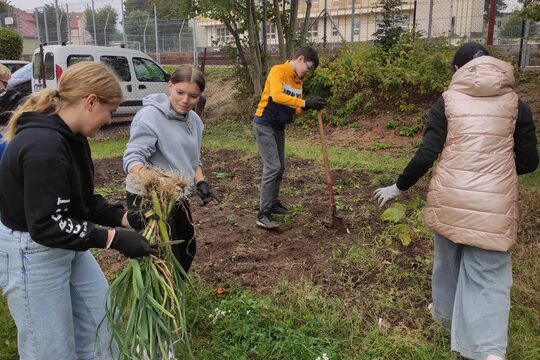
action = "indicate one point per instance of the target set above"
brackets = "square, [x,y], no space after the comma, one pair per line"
[26,24]
[74,19]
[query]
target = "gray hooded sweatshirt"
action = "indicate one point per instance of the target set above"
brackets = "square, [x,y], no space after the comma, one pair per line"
[161,137]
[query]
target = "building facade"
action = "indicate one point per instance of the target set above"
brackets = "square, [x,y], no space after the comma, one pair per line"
[357,20]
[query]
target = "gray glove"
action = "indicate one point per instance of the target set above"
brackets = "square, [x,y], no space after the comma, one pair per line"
[384,194]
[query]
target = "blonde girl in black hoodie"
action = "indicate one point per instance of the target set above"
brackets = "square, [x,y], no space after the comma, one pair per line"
[50,217]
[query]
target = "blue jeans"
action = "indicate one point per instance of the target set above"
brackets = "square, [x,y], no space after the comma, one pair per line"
[56,297]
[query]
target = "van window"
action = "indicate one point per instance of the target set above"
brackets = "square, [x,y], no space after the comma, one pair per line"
[36,67]
[49,66]
[119,64]
[146,70]
[73,59]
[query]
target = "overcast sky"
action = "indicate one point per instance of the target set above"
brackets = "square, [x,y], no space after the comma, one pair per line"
[74,5]
[79,5]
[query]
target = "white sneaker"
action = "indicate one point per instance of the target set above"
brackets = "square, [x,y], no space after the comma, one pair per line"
[494,357]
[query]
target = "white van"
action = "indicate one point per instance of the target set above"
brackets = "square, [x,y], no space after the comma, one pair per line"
[139,75]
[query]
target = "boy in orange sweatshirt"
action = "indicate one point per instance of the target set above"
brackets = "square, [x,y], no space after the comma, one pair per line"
[281,100]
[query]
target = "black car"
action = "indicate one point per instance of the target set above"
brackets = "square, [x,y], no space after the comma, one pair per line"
[19,86]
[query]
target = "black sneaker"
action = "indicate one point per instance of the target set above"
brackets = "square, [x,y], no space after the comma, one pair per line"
[278,208]
[265,220]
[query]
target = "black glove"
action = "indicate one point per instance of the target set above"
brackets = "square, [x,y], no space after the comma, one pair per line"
[137,220]
[131,244]
[315,103]
[205,193]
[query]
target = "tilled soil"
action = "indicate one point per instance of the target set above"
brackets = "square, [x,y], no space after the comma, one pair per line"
[230,247]
[232,250]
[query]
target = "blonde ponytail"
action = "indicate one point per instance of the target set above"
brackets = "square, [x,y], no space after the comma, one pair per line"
[44,101]
[77,82]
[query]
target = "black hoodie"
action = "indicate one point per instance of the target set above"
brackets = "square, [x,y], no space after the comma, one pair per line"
[47,186]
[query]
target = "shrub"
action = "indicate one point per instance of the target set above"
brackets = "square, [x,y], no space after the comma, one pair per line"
[389,30]
[365,78]
[11,44]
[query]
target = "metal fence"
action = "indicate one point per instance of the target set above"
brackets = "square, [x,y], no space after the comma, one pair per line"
[143,26]
[173,40]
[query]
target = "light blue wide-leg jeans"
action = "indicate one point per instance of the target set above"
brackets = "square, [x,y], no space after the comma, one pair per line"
[57,299]
[471,297]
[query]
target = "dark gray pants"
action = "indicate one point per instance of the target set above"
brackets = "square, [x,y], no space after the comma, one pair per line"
[271,143]
[471,297]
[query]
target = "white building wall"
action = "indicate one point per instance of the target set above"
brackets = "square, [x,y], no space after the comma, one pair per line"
[458,17]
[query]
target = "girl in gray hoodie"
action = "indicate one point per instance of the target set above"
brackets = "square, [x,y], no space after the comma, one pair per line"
[167,133]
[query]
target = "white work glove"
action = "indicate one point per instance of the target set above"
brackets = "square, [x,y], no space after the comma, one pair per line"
[384,194]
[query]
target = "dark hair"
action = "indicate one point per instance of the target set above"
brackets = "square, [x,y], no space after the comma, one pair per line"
[309,54]
[189,73]
[467,52]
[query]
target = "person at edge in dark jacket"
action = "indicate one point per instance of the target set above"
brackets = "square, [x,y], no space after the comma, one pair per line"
[56,291]
[167,133]
[485,137]
[281,100]
[9,99]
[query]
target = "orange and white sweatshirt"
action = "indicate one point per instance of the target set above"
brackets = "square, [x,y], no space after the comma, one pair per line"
[281,99]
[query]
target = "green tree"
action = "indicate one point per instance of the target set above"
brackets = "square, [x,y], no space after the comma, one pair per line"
[138,5]
[139,27]
[242,19]
[105,24]
[238,17]
[6,10]
[531,10]
[390,29]
[11,44]
[48,12]
[512,26]
[4,6]
[172,23]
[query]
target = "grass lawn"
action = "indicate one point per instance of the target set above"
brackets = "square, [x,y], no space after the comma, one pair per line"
[304,320]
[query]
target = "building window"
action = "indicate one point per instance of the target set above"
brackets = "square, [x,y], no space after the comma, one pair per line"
[356,26]
[314,32]
[403,22]
[311,32]
[271,31]
[223,34]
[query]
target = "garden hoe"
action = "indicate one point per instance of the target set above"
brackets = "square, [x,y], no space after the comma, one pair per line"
[337,222]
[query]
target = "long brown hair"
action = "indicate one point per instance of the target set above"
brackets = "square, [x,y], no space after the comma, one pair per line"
[77,82]
[189,73]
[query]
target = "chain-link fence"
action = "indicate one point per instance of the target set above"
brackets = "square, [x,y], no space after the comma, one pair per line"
[170,38]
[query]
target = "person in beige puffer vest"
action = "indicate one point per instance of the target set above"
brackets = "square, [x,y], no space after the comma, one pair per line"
[485,137]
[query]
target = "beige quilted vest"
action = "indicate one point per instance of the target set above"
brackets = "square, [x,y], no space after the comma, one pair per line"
[473,194]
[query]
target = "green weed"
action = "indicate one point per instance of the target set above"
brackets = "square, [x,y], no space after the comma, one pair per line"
[106,149]
[8,333]
[222,175]
[392,124]
[410,130]
[401,225]
[108,191]
[379,146]
[295,210]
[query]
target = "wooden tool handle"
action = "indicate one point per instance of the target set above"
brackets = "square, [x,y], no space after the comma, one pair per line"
[329,182]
